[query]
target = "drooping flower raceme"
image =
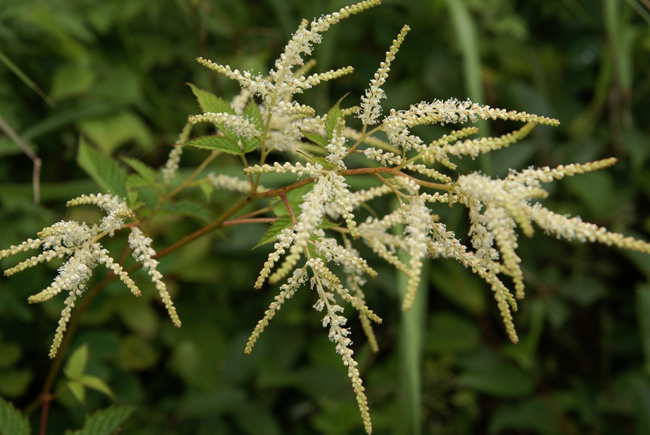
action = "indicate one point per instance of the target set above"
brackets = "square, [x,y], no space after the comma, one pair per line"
[80,244]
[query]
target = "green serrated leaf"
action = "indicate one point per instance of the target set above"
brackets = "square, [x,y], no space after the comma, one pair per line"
[333,116]
[250,145]
[219,143]
[97,384]
[210,102]
[105,421]
[76,363]
[316,138]
[78,391]
[103,169]
[252,112]
[282,222]
[11,420]
[144,170]
[134,180]
[188,208]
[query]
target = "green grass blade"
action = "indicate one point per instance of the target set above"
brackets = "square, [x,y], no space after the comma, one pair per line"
[22,76]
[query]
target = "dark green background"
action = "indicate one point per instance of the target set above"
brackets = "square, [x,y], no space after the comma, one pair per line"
[116,70]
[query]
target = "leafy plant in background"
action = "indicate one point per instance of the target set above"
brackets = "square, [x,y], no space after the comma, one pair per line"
[319,218]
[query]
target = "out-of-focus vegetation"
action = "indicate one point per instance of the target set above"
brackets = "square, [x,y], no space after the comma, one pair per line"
[115,72]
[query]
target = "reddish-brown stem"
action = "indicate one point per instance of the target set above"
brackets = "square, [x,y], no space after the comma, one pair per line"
[288,206]
[240,221]
[45,398]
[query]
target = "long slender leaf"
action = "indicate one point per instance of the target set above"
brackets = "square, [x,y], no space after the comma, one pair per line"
[22,76]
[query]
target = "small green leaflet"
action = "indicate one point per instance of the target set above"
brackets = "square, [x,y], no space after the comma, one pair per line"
[316,138]
[219,143]
[11,420]
[76,364]
[105,421]
[252,112]
[97,384]
[284,221]
[142,169]
[103,169]
[333,116]
[210,102]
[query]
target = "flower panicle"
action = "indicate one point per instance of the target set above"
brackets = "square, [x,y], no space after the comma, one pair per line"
[79,244]
[239,124]
[338,334]
[370,103]
[143,253]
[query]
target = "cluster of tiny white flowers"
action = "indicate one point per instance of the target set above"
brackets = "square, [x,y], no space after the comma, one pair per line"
[174,158]
[339,335]
[289,108]
[302,41]
[285,239]
[255,85]
[309,169]
[445,244]
[366,195]
[332,251]
[574,228]
[144,253]
[483,145]
[418,226]
[240,101]
[385,158]
[287,291]
[375,234]
[370,107]
[341,204]
[238,124]
[80,243]
[173,163]
[337,150]
[232,184]
[313,210]
[108,203]
[395,125]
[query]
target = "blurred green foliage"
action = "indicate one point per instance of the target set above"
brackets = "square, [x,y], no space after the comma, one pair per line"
[116,72]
